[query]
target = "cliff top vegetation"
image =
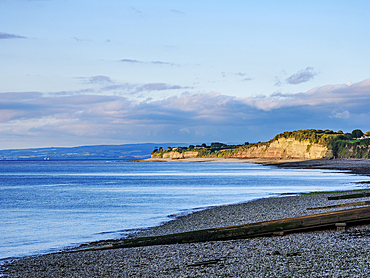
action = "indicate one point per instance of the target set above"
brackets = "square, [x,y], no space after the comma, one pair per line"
[312,135]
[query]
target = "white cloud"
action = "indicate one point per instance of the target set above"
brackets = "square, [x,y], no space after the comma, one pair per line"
[10,36]
[340,115]
[357,94]
[132,61]
[302,76]
[99,79]
[184,130]
[178,12]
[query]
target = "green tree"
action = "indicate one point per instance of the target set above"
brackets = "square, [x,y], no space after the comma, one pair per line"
[217,145]
[357,133]
[348,136]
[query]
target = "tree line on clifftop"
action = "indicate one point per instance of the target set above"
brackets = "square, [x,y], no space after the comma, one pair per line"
[343,145]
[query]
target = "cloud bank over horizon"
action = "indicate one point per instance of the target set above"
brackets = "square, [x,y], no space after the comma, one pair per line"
[190,117]
[180,71]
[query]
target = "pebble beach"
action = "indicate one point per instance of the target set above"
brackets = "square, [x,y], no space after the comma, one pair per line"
[324,253]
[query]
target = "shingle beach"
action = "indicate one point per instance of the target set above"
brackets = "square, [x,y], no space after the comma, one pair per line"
[326,253]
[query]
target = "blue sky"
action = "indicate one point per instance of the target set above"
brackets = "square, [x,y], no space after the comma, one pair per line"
[114,72]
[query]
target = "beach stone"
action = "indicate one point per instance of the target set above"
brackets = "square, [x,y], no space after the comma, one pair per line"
[341,226]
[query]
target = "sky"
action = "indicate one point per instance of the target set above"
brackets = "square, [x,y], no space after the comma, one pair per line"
[76,72]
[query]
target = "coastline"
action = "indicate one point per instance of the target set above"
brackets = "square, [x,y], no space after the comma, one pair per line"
[353,166]
[359,166]
[264,161]
[296,255]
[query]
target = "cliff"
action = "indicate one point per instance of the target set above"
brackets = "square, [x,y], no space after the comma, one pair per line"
[282,148]
[300,144]
[178,155]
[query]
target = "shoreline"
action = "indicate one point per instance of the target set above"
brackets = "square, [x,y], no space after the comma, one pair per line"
[162,261]
[263,161]
[359,166]
[353,166]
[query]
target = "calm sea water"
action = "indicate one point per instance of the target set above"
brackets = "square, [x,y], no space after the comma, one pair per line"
[48,205]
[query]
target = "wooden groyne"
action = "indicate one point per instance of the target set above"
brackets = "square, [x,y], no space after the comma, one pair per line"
[362,203]
[350,196]
[334,219]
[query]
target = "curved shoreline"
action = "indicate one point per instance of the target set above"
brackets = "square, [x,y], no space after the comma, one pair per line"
[263,161]
[355,166]
[296,255]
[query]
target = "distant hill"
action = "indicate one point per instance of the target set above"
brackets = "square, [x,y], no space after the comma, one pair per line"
[108,152]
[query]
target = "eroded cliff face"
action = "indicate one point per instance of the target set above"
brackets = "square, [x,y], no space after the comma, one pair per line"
[178,155]
[284,149]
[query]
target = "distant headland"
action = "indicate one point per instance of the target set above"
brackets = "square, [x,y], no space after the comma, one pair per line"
[294,145]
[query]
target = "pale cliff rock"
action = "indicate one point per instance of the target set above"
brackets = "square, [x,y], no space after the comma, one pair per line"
[178,155]
[284,148]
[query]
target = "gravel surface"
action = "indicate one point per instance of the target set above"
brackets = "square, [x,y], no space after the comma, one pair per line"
[327,253]
[355,166]
[251,212]
[313,254]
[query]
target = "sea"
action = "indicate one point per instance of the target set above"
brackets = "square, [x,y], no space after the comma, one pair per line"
[46,206]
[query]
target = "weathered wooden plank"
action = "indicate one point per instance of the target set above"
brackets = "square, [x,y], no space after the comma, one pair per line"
[350,196]
[267,228]
[363,203]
